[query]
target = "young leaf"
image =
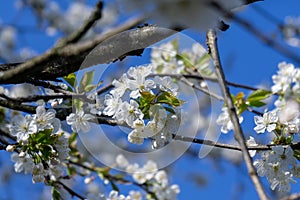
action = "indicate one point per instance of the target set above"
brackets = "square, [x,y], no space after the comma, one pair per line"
[259,95]
[78,104]
[203,60]
[256,103]
[55,194]
[170,99]
[72,138]
[297,154]
[70,78]
[86,80]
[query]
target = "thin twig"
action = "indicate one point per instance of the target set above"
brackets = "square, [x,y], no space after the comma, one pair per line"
[17,106]
[53,96]
[204,90]
[30,66]
[208,78]
[95,16]
[213,49]
[113,178]
[256,32]
[220,145]
[70,191]
[295,196]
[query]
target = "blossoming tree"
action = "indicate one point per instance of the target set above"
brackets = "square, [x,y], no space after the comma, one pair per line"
[125,92]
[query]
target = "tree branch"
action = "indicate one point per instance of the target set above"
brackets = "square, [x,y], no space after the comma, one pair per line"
[213,49]
[295,196]
[70,191]
[59,62]
[256,32]
[30,66]
[95,16]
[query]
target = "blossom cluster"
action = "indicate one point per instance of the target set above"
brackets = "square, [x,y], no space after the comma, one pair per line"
[167,58]
[280,164]
[290,30]
[147,105]
[42,148]
[284,120]
[114,195]
[148,174]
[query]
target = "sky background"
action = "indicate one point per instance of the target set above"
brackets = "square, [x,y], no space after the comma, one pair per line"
[245,59]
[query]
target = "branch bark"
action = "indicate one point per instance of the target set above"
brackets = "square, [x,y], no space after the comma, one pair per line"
[109,47]
[213,49]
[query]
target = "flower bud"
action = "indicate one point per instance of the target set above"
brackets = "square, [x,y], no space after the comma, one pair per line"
[10,148]
[22,154]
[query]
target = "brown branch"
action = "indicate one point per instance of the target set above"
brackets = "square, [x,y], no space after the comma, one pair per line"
[112,178]
[70,190]
[295,196]
[204,90]
[219,145]
[213,49]
[17,106]
[30,66]
[52,96]
[208,78]
[60,62]
[95,16]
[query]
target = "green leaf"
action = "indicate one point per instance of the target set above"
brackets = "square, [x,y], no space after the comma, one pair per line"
[203,60]
[78,104]
[241,108]
[89,88]
[71,171]
[55,194]
[145,102]
[86,80]
[72,138]
[297,154]
[175,44]
[186,60]
[259,95]
[170,99]
[170,110]
[256,103]
[70,78]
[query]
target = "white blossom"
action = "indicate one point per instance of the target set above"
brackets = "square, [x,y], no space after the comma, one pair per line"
[278,166]
[284,78]
[137,80]
[164,60]
[79,121]
[22,126]
[112,104]
[251,143]
[121,86]
[121,161]
[129,112]
[267,121]
[225,122]
[166,84]
[22,164]
[45,119]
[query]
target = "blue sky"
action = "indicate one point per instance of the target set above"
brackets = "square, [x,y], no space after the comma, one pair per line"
[245,59]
